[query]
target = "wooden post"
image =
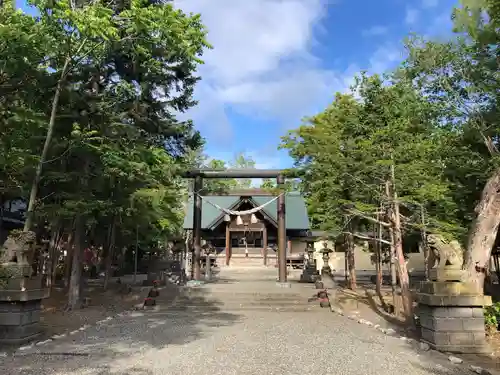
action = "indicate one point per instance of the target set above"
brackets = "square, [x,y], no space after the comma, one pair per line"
[228,243]
[197,212]
[281,231]
[264,244]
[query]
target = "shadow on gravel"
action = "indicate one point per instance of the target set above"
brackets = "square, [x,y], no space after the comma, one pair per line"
[389,321]
[176,320]
[438,369]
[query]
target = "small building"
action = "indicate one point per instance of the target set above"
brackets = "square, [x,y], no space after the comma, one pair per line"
[249,237]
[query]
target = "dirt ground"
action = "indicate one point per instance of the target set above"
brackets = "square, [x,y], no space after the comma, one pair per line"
[366,304]
[101,304]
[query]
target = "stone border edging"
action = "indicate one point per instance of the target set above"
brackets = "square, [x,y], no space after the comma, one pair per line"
[21,349]
[423,346]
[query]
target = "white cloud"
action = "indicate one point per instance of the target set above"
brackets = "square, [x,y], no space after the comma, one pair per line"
[375,31]
[386,57]
[262,64]
[251,37]
[411,16]
[261,61]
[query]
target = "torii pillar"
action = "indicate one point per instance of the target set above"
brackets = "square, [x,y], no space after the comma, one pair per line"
[198,185]
[282,277]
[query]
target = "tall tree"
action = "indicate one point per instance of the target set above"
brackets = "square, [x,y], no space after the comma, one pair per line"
[113,147]
[462,77]
[348,152]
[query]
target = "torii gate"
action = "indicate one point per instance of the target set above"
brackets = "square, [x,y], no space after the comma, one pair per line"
[200,174]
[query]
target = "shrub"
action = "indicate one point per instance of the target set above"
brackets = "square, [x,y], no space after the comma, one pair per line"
[492,316]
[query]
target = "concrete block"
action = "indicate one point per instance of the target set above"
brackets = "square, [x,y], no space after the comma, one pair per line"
[452,301]
[445,274]
[473,324]
[463,300]
[450,288]
[460,312]
[447,324]
[478,312]
[435,338]
[479,337]
[438,312]
[461,338]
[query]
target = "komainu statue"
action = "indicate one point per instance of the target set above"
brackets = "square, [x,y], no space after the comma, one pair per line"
[444,253]
[17,247]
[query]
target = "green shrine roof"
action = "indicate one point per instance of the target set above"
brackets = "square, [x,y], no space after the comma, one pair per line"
[296,210]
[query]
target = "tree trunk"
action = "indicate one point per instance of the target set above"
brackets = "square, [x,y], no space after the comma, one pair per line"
[392,252]
[379,277]
[68,262]
[423,243]
[109,254]
[28,224]
[483,231]
[351,261]
[54,253]
[74,294]
[404,280]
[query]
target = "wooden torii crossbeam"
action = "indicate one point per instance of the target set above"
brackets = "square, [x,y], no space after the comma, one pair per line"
[199,174]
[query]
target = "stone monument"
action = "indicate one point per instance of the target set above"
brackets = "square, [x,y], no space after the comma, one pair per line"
[450,310]
[21,292]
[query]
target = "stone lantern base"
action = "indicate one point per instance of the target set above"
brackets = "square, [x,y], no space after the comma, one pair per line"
[309,274]
[451,313]
[20,309]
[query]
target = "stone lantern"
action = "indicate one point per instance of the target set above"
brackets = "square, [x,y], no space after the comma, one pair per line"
[310,254]
[309,273]
[208,250]
[325,254]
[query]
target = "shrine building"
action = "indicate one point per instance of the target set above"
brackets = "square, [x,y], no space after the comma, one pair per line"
[251,238]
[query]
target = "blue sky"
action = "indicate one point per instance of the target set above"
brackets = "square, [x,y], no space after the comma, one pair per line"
[276,61]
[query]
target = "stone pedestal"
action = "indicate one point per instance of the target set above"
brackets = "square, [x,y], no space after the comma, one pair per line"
[20,309]
[451,313]
[309,274]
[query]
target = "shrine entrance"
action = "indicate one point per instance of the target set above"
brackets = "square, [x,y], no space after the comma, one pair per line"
[246,239]
[244,233]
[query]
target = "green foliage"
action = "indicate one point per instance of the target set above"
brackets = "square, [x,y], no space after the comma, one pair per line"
[272,187]
[435,118]
[460,77]
[243,162]
[492,315]
[223,185]
[117,147]
[219,186]
[345,153]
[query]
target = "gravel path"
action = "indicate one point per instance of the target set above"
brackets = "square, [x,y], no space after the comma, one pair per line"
[242,325]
